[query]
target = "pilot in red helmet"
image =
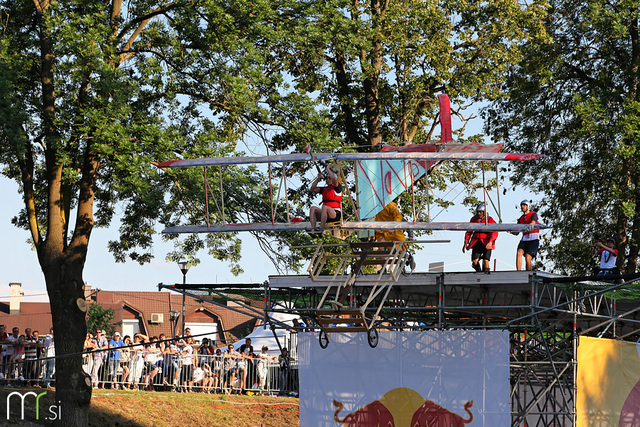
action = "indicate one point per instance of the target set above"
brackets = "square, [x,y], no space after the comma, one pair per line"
[480,243]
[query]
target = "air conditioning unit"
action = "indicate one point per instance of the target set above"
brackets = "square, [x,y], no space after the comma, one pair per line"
[157,317]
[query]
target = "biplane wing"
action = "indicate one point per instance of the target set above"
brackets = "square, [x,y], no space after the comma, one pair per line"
[381,155]
[352,225]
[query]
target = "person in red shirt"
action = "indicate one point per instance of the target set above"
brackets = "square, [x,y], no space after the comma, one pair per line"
[480,244]
[331,209]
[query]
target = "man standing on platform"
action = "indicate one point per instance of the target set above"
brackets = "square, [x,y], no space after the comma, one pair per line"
[608,256]
[528,246]
[481,244]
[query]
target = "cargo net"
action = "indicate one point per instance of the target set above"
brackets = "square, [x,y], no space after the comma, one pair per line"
[628,291]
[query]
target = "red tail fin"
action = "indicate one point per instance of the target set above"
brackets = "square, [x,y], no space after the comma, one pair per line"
[445,119]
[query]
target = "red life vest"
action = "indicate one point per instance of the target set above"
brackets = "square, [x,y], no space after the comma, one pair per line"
[526,219]
[331,197]
[471,238]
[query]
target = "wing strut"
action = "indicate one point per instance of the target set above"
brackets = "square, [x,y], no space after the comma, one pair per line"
[206,195]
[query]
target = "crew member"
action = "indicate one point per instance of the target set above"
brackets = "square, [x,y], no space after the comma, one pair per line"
[608,256]
[529,244]
[389,213]
[481,244]
[330,211]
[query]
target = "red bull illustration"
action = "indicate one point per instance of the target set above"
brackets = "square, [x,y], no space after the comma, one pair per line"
[433,415]
[374,414]
[402,407]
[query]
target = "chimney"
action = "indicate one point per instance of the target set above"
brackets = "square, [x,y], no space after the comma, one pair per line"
[16,298]
[87,291]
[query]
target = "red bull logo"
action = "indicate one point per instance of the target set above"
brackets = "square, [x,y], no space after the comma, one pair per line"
[373,414]
[402,407]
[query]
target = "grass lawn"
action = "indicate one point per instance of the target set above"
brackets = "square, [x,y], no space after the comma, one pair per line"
[140,408]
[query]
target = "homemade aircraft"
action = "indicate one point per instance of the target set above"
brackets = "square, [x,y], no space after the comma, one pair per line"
[380,177]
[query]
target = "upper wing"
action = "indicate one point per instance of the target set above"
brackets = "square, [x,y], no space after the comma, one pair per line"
[353,225]
[381,155]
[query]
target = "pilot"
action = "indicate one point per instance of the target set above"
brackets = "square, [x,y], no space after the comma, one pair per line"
[331,209]
[480,244]
[528,246]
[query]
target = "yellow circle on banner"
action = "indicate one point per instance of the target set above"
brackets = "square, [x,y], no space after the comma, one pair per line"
[402,402]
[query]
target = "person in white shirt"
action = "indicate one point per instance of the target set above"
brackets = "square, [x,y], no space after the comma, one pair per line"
[263,366]
[186,374]
[608,256]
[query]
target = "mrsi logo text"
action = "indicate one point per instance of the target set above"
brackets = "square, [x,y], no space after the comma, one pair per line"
[54,412]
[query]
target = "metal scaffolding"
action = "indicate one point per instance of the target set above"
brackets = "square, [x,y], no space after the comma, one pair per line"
[545,315]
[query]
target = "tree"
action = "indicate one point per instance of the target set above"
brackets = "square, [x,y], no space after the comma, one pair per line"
[377,67]
[90,101]
[95,93]
[575,98]
[100,318]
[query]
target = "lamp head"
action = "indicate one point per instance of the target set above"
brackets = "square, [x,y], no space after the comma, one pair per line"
[184,266]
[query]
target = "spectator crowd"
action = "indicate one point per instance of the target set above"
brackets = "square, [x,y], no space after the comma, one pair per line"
[159,363]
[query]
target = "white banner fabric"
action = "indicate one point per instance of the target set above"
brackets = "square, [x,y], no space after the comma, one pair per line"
[432,378]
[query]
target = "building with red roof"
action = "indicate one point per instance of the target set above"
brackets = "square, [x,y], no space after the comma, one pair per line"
[149,313]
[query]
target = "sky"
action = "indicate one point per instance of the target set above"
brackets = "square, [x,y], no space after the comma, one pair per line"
[19,262]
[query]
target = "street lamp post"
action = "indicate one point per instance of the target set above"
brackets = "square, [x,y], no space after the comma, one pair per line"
[184,268]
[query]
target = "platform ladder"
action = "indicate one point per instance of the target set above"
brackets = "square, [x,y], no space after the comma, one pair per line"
[340,317]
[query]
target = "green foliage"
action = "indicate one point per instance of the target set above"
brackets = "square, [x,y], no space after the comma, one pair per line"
[101,318]
[132,88]
[575,99]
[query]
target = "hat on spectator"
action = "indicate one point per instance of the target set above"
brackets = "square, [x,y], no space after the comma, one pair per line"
[117,334]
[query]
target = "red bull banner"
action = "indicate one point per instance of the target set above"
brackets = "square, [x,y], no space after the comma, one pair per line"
[434,378]
[608,383]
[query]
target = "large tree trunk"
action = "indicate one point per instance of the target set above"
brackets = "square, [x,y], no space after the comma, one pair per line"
[63,275]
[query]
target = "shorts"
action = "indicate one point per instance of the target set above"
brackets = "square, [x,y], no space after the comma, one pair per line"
[605,271]
[149,367]
[337,218]
[480,251]
[530,247]
[227,374]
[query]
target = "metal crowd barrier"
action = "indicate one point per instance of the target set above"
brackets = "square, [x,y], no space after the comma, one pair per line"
[209,373]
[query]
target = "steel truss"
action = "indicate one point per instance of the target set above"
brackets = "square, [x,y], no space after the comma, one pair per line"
[544,313]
